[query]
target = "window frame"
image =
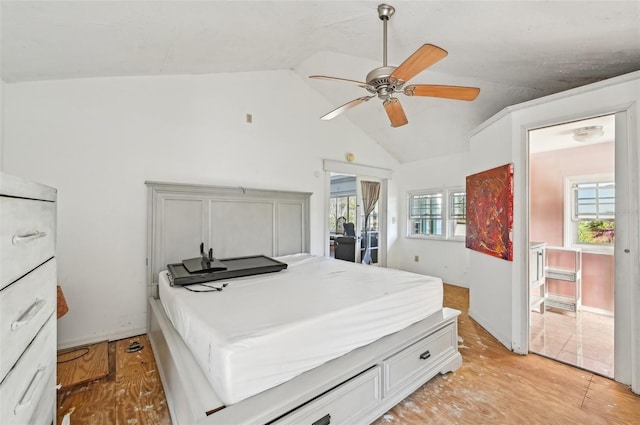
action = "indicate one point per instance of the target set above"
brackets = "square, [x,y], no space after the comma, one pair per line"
[570,228]
[451,225]
[448,228]
[350,212]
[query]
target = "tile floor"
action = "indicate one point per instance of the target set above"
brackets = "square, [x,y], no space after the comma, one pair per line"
[582,339]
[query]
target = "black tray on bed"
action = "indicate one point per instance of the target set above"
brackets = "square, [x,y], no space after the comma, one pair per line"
[236,267]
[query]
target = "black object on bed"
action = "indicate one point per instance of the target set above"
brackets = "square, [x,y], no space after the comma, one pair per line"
[203,264]
[235,267]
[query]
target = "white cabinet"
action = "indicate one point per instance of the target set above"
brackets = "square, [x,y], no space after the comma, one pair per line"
[27,302]
[537,287]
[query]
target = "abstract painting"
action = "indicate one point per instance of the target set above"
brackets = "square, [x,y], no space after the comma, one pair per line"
[490,212]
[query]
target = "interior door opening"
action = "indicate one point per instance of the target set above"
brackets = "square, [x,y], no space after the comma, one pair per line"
[354,221]
[572,231]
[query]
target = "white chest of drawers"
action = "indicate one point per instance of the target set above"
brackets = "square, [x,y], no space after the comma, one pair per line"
[27,302]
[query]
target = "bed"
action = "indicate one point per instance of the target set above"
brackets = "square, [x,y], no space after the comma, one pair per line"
[324,341]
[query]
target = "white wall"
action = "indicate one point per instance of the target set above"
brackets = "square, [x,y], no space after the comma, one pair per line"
[446,259]
[498,298]
[498,288]
[491,307]
[98,140]
[1,120]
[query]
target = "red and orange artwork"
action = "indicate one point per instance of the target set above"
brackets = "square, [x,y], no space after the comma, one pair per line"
[490,212]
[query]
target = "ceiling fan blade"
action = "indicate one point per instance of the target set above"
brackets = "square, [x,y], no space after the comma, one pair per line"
[358,83]
[421,59]
[345,107]
[448,92]
[395,112]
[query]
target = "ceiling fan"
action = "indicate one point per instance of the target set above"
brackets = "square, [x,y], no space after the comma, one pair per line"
[385,81]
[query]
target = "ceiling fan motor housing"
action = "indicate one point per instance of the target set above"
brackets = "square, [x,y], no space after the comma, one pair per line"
[380,83]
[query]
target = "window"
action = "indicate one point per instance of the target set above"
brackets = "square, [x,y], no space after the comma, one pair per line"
[341,206]
[425,214]
[591,224]
[437,214]
[457,214]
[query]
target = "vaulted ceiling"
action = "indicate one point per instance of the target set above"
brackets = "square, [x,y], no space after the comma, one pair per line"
[512,50]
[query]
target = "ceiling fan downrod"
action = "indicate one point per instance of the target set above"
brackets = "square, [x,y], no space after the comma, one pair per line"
[384,13]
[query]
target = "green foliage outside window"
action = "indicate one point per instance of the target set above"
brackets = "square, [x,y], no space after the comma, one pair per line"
[596,232]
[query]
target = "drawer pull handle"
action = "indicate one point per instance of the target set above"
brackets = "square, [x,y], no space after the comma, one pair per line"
[28,315]
[325,420]
[27,397]
[425,355]
[28,237]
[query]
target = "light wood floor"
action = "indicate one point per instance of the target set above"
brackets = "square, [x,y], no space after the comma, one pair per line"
[493,386]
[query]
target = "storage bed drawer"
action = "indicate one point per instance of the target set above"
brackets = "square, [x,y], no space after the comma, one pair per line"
[24,308]
[345,404]
[417,359]
[27,229]
[21,390]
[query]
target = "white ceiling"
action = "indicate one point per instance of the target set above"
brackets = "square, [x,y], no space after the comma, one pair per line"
[512,50]
[561,136]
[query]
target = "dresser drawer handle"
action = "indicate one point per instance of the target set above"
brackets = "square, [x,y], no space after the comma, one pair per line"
[425,355]
[325,420]
[28,237]
[28,315]
[27,397]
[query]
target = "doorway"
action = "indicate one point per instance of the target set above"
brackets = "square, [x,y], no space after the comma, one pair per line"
[353,222]
[360,172]
[572,230]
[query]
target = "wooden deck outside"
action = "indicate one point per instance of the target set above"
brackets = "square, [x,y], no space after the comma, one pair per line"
[493,386]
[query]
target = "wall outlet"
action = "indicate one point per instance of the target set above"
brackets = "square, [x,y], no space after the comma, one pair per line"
[416,258]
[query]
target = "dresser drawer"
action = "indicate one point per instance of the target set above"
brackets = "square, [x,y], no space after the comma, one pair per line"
[418,359]
[24,308]
[28,236]
[46,409]
[25,384]
[346,404]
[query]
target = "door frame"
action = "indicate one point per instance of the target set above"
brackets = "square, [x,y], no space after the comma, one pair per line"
[627,295]
[361,172]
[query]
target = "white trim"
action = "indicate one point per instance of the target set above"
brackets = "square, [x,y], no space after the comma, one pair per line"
[627,291]
[450,229]
[569,223]
[594,310]
[437,236]
[103,336]
[363,171]
[356,169]
[446,220]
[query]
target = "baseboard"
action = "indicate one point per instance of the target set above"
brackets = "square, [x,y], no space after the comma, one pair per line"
[595,310]
[459,285]
[506,341]
[107,336]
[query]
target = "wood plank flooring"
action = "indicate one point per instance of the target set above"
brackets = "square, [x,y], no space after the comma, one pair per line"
[496,386]
[83,364]
[493,386]
[131,394]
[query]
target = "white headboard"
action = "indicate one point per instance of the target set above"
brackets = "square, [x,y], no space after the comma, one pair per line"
[233,221]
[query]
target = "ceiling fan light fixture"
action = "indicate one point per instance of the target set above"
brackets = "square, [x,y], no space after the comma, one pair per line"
[587,134]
